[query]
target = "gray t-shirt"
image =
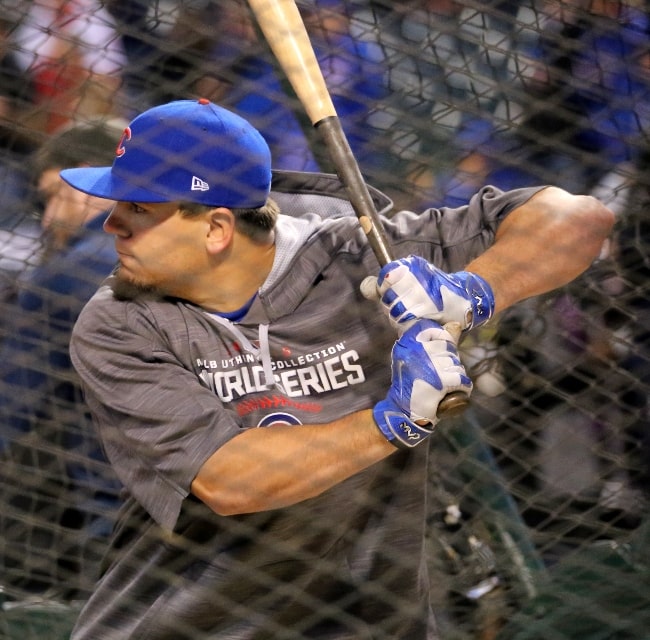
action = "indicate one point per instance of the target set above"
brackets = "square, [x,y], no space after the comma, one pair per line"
[168,384]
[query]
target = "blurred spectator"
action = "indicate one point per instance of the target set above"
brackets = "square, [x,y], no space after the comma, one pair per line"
[448,66]
[631,249]
[588,79]
[143,37]
[482,155]
[20,251]
[166,44]
[17,92]
[17,89]
[241,74]
[76,56]
[64,215]
[45,431]
[355,73]
[19,231]
[577,361]
[611,92]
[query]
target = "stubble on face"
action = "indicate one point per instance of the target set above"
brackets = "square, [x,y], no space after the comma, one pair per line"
[125,288]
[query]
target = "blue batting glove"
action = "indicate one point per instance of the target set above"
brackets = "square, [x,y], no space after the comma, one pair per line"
[412,288]
[425,368]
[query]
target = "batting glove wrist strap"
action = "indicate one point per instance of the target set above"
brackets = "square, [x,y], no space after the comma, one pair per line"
[479,295]
[397,428]
[412,288]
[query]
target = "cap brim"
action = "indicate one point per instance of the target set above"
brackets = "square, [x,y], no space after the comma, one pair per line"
[101,182]
[95,181]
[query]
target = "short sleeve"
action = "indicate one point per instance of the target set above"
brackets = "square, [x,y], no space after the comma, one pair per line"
[157,422]
[452,237]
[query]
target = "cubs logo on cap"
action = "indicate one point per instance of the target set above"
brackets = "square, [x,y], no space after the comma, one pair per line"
[186,150]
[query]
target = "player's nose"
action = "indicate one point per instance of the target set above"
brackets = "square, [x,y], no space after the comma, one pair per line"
[115,222]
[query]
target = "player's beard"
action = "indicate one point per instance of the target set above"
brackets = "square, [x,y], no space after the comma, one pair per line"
[125,288]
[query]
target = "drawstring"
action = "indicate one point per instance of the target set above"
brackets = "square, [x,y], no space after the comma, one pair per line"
[265,356]
[262,355]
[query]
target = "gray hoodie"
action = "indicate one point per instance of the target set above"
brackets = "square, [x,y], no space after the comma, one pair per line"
[169,383]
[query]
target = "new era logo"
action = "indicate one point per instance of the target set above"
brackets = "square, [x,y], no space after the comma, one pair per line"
[199,185]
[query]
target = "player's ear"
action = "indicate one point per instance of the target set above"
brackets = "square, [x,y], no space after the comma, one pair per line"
[221,229]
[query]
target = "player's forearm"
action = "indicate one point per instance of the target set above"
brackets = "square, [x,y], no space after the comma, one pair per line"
[543,245]
[273,467]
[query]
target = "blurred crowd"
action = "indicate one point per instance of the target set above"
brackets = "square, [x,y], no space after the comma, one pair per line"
[437,98]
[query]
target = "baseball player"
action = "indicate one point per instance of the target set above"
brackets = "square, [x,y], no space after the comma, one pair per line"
[270,431]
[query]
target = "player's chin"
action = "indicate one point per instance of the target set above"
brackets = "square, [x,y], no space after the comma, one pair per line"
[127,285]
[125,275]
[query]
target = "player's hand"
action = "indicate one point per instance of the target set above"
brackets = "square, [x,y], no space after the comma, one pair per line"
[412,288]
[425,368]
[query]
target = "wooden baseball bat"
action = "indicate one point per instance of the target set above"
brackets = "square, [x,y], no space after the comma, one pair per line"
[286,34]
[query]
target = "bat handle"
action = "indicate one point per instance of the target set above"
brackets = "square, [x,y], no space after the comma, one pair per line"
[352,179]
[453,404]
[330,128]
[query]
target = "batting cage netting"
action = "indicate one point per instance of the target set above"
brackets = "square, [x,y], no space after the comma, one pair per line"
[538,522]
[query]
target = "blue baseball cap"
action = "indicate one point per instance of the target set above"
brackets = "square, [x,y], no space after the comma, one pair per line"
[186,150]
